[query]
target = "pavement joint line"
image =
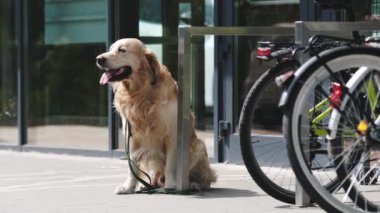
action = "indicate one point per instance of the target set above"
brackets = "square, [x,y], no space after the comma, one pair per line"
[58,187]
[81,179]
[40,178]
[59,173]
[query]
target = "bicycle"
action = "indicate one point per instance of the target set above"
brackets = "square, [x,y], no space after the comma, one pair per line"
[274,176]
[262,146]
[332,77]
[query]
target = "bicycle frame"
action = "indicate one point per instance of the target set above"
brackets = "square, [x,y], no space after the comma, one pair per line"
[324,109]
[320,107]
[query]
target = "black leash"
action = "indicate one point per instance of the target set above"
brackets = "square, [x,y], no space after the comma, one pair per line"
[132,165]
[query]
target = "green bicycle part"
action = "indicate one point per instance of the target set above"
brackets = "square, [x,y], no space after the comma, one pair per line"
[320,107]
[314,123]
[371,91]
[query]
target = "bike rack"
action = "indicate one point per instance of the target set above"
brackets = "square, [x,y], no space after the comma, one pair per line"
[303,31]
[184,68]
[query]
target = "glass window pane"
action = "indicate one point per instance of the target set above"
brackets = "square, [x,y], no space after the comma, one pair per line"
[157,49]
[8,74]
[268,13]
[184,14]
[259,13]
[67,21]
[209,57]
[150,18]
[67,106]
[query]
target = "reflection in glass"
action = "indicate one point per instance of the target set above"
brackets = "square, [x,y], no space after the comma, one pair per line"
[150,18]
[8,81]
[184,14]
[67,106]
[260,13]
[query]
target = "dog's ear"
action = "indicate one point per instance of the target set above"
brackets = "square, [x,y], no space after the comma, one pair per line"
[153,63]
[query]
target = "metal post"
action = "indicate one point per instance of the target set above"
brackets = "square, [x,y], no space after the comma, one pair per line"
[112,116]
[22,66]
[183,133]
[301,40]
[223,99]
[184,79]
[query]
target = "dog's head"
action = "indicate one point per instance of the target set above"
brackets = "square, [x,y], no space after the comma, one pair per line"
[126,59]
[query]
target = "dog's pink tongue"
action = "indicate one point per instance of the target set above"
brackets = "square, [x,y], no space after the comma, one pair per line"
[104,79]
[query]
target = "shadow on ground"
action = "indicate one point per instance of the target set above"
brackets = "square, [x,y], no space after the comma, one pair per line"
[226,193]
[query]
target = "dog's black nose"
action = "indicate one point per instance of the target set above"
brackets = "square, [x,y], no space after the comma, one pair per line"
[100,60]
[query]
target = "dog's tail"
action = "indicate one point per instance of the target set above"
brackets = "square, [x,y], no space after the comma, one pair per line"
[200,169]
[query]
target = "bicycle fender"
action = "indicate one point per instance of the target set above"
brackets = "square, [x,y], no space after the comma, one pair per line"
[288,90]
[326,55]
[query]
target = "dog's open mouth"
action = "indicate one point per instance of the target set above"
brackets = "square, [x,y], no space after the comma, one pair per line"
[111,75]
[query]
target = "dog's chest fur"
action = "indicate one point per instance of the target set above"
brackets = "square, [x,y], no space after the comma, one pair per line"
[148,115]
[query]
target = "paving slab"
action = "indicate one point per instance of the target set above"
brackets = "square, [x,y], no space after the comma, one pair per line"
[38,183]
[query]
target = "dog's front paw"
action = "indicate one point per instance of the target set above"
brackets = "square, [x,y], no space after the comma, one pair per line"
[124,190]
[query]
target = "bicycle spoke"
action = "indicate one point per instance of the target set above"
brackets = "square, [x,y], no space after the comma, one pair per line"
[320,91]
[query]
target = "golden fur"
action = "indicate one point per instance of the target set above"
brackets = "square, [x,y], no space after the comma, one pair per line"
[147,97]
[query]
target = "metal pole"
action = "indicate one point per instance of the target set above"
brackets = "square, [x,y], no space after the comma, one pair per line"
[301,40]
[184,79]
[22,66]
[183,136]
[112,116]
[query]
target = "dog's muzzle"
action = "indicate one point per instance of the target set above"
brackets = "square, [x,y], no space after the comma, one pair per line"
[112,75]
[101,61]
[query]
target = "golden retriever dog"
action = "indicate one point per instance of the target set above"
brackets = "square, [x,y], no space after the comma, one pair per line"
[146,96]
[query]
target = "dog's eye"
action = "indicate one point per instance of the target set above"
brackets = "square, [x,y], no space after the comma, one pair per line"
[122,50]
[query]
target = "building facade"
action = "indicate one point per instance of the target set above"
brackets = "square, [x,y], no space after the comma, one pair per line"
[50,98]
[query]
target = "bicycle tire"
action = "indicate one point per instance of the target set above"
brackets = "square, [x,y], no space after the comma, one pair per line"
[356,107]
[312,71]
[250,156]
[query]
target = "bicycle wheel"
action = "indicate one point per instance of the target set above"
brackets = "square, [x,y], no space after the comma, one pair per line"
[261,138]
[353,127]
[314,83]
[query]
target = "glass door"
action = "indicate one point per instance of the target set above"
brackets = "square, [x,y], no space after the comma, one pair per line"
[67,108]
[158,23]
[8,74]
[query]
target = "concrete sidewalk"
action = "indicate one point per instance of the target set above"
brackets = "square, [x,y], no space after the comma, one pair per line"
[36,183]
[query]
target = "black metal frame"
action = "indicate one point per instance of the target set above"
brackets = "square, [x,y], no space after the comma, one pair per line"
[22,44]
[224,78]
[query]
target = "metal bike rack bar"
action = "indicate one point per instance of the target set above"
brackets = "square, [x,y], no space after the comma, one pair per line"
[303,31]
[184,68]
